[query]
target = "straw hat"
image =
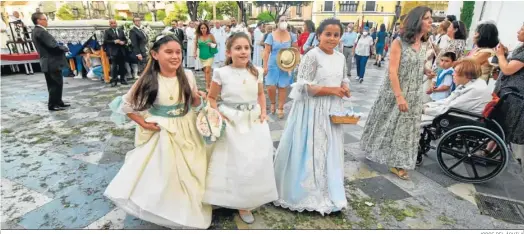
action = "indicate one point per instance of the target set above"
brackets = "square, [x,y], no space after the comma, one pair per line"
[288,59]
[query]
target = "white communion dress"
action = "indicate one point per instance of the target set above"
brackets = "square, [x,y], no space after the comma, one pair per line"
[162,180]
[240,172]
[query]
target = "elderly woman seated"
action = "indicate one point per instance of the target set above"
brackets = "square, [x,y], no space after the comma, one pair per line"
[471,94]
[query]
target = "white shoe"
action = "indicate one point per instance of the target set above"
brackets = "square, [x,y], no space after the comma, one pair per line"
[78,77]
[247,217]
[357,78]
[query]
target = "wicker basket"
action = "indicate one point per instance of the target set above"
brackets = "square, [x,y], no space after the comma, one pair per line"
[348,119]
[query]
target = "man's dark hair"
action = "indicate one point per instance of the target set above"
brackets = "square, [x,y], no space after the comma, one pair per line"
[450,55]
[488,36]
[35,16]
[451,18]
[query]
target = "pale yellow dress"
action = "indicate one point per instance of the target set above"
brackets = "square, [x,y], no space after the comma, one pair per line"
[163,179]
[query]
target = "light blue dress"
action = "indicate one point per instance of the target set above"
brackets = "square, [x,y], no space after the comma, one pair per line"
[275,76]
[309,161]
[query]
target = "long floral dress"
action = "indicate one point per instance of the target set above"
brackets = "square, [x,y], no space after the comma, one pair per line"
[309,161]
[391,137]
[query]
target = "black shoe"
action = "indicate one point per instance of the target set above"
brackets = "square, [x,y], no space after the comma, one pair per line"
[349,75]
[420,159]
[361,80]
[56,108]
[64,105]
[379,64]
[124,82]
[114,83]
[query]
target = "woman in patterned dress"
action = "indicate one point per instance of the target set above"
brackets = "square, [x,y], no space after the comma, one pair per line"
[457,34]
[392,130]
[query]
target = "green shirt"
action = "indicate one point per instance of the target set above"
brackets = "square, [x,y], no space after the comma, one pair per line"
[204,49]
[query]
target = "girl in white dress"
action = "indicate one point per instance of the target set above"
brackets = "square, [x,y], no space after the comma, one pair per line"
[190,34]
[240,172]
[162,179]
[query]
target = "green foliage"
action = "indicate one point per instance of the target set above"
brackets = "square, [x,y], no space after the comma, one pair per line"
[160,15]
[179,13]
[208,8]
[266,16]
[227,9]
[148,16]
[280,7]
[466,13]
[66,12]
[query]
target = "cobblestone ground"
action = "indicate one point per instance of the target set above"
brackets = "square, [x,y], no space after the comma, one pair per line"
[55,167]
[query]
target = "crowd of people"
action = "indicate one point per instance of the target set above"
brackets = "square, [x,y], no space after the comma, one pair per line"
[172,178]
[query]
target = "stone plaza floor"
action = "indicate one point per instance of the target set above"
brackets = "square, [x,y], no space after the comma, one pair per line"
[56,165]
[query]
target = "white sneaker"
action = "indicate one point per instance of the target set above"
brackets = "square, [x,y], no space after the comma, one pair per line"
[78,77]
[357,78]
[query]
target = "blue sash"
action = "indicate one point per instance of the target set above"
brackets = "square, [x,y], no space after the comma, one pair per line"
[440,78]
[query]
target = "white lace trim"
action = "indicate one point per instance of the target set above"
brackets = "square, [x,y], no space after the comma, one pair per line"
[323,210]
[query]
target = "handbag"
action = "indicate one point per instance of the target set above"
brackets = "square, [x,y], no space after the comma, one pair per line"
[214,50]
[210,124]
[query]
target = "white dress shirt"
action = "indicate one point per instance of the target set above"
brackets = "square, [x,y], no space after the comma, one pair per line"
[472,97]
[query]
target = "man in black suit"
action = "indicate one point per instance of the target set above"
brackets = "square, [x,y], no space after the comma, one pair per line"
[179,33]
[52,61]
[115,41]
[139,42]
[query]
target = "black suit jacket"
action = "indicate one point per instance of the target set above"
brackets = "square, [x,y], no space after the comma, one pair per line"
[52,55]
[138,41]
[109,42]
[179,34]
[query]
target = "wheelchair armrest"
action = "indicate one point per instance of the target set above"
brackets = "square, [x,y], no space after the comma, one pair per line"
[459,111]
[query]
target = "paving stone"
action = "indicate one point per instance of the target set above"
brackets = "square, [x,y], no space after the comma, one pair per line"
[380,188]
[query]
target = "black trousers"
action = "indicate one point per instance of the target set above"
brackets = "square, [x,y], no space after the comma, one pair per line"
[118,67]
[55,86]
[142,64]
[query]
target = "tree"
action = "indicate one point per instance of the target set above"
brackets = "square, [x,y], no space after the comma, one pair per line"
[266,16]
[227,8]
[66,12]
[192,8]
[466,13]
[205,6]
[279,8]
[242,7]
[160,15]
[148,16]
[179,13]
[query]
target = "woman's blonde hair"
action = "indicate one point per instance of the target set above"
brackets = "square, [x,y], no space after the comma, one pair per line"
[229,43]
[443,27]
[467,67]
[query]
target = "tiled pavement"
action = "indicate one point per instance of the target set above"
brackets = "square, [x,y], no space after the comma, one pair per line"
[55,167]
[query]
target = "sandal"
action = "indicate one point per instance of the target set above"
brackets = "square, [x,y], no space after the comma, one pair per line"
[280,113]
[401,173]
[272,108]
[482,153]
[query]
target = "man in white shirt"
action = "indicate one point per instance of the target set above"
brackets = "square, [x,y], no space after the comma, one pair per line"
[220,38]
[259,36]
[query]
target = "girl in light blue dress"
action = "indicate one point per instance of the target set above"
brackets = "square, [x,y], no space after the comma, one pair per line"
[309,161]
[277,78]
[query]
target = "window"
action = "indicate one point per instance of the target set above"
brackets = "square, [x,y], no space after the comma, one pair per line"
[348,6]
[328,6]
[370,6]
[249,9]
[299,10]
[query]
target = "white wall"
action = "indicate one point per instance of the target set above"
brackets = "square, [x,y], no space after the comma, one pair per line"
[508,15]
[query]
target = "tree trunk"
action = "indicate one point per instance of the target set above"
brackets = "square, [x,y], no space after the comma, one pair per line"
[192,9]
[242,7]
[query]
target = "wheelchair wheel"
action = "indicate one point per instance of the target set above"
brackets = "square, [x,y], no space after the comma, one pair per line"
[457,154]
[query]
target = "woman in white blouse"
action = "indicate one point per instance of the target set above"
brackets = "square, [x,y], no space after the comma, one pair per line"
[471,94]
[362,51]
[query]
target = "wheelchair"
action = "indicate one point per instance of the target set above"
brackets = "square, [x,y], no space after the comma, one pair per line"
[459,135]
